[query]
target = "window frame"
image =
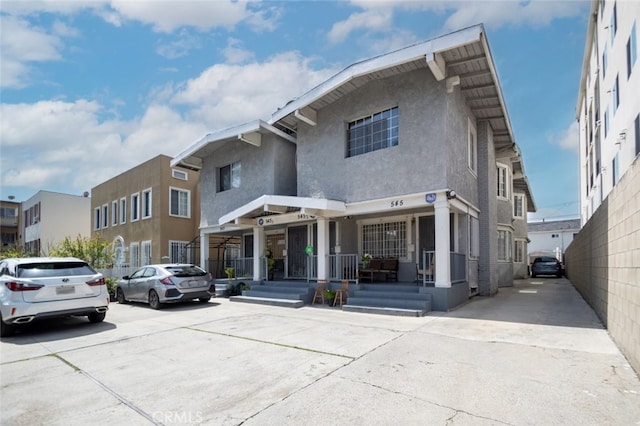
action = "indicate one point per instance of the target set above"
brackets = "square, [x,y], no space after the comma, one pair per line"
[114,213]
[384,247]
[146,254]
[506,181]
[367,127]
[134,255]
[105,216]
[179,174]
[147,203]
[474,237]
[135,207]
[632,50]
[97,212]
[188,204]
[123,210]
[507,240]
[518,199]
[235,176]
[472,147]
[176,246]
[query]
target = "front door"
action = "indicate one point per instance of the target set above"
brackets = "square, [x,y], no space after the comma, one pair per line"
[296,257]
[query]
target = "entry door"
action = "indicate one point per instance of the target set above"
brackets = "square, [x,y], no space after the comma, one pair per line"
[426,237]
[296,257]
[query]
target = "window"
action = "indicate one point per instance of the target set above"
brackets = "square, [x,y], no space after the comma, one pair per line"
[180,204]
[146,253]
[178,252]
[615,169]
[616,96]
[503,181]
[374,132]
[146,203]
[179,174]
[96,218]
[604,62]
[613,26]
[518,205]
[632,50]
[474,237]
[504,245]
[8,212]
[637,128]
[229,177]
[105,216]
[518,255]
[123,210]
[134,255]
[135,207]
[114,213]
[387,239]
[606,122]
[473,147]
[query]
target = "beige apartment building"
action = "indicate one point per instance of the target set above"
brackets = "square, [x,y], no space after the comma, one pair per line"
[151,214]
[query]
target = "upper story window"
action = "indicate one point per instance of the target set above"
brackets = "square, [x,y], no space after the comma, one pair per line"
[504,181]
[377,131]
[114,213]
[180,204]
[146,203]
[616,96]
[96,218]
[179,174]
[472,147]
[632,50]
[105,216]
[229,177]
[123,210]
[613,26]
[518,206]
[604,62]
[135,206]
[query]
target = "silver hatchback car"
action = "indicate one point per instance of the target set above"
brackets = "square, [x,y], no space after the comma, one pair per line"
[166,283]
[46,287]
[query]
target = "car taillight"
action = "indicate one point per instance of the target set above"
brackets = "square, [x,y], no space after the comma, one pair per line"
[18,286]
[167,280]
[99,281]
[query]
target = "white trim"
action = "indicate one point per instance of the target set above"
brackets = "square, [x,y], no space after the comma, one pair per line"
[123,210]
[179,174]
[150,192]
[135,200]
[114,213]
[472,150]
[188,192]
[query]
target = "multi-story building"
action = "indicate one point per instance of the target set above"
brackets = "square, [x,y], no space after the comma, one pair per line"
[50,217]
[149,213]
[407,156]
[9,223]
[608,109]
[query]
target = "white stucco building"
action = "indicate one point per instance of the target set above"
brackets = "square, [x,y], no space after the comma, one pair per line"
[608,102]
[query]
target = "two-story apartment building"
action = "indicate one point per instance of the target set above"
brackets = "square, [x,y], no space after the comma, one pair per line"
[148,213]
[409,156]
[9,223]
[50,217]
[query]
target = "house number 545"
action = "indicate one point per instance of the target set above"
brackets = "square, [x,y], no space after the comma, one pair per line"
[397,203]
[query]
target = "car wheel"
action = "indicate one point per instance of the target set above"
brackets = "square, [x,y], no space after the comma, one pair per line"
[6,330]
[154,300]
[120,296]
[95,317]
[533,275]
[204,299]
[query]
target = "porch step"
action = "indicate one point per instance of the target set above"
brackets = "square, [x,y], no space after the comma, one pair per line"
[385,302]
[392,295]
[273,294]
[384,311]
[287,303]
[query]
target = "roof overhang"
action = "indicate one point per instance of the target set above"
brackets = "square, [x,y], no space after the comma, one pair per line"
[285,208]
[250,133]
[586,62]
[461,59]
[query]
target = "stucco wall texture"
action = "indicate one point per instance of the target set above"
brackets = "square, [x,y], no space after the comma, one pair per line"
[603,263]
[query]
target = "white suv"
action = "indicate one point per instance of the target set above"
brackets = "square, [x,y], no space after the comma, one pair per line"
[46,287]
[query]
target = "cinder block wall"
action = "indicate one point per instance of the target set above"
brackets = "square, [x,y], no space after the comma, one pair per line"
[603,263]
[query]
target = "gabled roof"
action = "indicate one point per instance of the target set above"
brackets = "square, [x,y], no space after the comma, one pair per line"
[251,133]
[554,226]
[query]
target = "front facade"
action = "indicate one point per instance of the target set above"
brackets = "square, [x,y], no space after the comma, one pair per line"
[406,156]
[148,213]
[608,110]
[50,217]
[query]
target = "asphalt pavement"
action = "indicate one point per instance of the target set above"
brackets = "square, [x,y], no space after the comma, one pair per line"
[534,354]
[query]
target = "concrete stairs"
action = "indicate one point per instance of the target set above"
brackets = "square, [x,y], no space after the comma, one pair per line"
[293,294]
[389,299]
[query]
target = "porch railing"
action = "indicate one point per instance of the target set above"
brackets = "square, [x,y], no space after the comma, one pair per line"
[343,267]
[457,267]
[242,266]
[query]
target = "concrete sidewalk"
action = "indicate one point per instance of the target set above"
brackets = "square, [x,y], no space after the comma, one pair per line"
[533,354]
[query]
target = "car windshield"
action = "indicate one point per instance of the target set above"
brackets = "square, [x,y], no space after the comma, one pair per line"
[53,269]
[186,271]
[546,259]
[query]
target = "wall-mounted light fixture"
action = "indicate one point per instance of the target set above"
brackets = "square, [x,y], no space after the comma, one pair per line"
[451,194]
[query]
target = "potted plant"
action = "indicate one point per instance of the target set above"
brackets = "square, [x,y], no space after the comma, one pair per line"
[366,258]
[271,262]
[329,296]
[112,285]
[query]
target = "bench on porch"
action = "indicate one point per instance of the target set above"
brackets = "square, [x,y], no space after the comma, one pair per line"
[386,267]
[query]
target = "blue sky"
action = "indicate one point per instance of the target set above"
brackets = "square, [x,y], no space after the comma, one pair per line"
[90,89]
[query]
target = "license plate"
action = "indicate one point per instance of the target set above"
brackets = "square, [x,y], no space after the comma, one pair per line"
[65,289]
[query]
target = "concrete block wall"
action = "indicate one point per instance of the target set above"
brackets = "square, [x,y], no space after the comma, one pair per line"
[603,263]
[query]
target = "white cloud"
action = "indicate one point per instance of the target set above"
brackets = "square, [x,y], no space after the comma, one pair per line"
[179,47]
[566,139]
[373,19]
[234,53]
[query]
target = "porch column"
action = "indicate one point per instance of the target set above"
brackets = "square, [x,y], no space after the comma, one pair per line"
[258,251]
[204,251]
[443,274]
[323,248]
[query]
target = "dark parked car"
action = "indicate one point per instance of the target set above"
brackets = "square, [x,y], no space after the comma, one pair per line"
[546,265]
[167,283]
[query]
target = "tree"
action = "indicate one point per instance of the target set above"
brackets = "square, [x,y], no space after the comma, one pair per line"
[95,251]
[15,251]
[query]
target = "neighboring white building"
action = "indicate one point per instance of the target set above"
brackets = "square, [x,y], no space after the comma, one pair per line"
[608,102]
[551,238]
[49,217]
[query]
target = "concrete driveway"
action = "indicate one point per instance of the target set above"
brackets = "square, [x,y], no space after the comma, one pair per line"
[533,354]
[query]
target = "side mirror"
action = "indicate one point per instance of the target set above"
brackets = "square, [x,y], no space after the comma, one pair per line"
[126,277]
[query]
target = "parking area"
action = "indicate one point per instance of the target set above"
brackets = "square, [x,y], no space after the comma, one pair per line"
[533,354]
